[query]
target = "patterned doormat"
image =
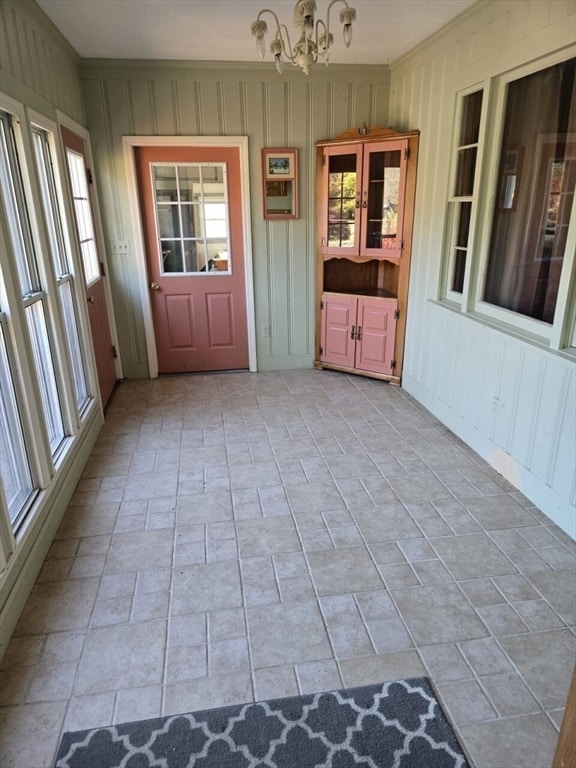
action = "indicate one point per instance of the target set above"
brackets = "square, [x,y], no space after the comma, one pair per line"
[393,725]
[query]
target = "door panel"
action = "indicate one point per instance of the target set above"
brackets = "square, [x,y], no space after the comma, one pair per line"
[220,320]
[104,352]
[191,204]
[377,331]
[338,319]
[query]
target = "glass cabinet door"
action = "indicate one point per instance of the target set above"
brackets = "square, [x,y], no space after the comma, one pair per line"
[364,199]
[341,227]
[383,180]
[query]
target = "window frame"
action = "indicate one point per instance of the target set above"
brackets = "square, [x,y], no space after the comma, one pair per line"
[45,462]
[454,201]
[559,335]
[67,257]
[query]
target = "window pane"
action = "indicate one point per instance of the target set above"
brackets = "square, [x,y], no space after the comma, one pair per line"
[16,210]
[465,172]
[14,468]
[341,200]
[45,372]
[470,125]
[71,324]
[536,193]
[383,199]
[461,246]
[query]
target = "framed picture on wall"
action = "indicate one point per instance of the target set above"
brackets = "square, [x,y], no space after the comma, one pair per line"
[280,183]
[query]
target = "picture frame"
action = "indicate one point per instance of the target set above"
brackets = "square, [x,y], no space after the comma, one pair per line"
[280,183]
[279,163]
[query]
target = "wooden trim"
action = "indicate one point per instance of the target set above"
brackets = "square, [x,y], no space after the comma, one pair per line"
[377,133]
[357,372]
[565,755]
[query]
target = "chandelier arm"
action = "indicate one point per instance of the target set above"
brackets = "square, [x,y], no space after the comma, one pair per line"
[321,26]
[287,49]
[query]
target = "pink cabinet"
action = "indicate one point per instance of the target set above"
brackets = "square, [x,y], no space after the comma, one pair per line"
[366,186]
[359,332]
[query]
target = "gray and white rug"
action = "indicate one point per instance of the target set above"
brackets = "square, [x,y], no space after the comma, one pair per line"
[397,724]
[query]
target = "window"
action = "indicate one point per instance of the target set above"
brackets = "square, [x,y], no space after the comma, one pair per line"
[462,200]
[61,263]
[536,177]
[509,252]
[14,466]
[35,298]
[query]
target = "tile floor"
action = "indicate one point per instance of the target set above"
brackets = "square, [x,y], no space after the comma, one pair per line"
[245,536]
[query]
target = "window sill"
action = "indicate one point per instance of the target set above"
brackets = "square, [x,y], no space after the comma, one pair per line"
[542,342]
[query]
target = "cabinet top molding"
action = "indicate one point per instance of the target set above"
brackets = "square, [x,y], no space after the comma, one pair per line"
[376,133]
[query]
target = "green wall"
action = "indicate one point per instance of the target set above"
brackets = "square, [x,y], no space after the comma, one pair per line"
[187,98]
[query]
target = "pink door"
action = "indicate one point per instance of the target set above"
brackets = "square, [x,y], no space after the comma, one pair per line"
[376,333]
[78,177]
[191,204]
[338,329]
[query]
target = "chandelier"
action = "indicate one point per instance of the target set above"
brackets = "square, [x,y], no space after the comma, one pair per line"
[315,39]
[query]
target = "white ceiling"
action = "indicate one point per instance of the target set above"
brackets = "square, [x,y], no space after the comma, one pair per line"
[219,30]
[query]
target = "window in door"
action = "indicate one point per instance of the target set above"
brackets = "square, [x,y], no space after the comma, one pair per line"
[191,204]
[83,212]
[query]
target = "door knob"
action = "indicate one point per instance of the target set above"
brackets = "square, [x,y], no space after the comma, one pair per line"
[155,286]
[90,299]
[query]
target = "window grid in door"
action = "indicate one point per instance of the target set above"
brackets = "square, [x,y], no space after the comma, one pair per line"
[83,215]
[191,204]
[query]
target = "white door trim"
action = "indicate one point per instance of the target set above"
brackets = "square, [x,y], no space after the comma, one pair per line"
[129,144]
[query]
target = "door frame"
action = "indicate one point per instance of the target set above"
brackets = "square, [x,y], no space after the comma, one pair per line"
[129,145]
[84,133]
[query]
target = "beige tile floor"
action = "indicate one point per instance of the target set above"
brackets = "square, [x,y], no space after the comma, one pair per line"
[246,536]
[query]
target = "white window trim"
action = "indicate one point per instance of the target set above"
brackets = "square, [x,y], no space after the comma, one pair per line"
[561,334]
[40,121]
[456,299]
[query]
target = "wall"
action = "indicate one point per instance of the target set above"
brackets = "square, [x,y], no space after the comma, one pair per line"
[511,400]
[292,110]
[38,67]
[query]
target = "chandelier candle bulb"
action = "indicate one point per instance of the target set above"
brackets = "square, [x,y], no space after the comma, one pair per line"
[315,40]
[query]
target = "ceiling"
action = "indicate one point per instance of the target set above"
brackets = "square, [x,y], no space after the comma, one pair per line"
[219,30]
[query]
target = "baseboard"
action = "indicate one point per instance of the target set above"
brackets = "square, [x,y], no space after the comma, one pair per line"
[558,509]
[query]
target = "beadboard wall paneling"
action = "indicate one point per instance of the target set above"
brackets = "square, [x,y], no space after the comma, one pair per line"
[177,98]
[513,401]
[38,67]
